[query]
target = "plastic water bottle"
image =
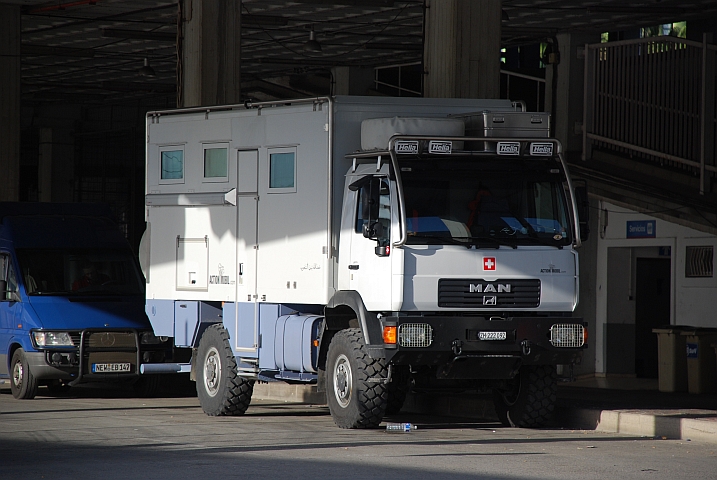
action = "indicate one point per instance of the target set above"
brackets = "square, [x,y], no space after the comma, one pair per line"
[400,427]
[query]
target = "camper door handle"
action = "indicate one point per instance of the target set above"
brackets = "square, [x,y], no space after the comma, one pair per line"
[353,267]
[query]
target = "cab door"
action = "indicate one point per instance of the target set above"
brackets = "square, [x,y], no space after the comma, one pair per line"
[370,262]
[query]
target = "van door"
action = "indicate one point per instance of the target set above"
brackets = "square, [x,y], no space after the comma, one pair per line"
[10,308]
[370,266]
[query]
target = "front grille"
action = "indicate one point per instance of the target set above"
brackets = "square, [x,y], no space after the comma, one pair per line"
[499,294]
[76,336]
[111,340]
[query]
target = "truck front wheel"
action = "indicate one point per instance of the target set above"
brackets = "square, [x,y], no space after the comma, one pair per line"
[528,400]
[220,389]
[23,383]
[356,394]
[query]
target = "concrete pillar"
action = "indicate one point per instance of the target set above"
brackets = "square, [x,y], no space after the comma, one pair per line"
[352,80]
[211,50]
[462,49]
[564,89]
[56,165]
[9,101]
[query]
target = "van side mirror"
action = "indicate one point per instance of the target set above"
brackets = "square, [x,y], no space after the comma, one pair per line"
[583,204]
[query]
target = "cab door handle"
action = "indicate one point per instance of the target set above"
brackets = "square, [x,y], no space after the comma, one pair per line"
[353,267]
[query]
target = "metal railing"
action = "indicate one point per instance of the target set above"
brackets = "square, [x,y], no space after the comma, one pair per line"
[539,88]
[653,98]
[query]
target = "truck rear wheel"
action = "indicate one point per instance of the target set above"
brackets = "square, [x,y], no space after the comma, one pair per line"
[529,400]
[220,390]
[356,395]
[23,383]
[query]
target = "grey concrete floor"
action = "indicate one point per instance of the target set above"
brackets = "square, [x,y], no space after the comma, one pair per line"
[106,433]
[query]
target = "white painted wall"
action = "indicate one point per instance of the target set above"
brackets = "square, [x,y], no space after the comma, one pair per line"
[693,300]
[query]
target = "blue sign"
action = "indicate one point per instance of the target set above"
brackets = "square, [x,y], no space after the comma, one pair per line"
[641,229]
[692,350]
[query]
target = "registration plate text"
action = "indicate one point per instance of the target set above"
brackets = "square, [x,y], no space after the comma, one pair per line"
[492,336]
[110,367]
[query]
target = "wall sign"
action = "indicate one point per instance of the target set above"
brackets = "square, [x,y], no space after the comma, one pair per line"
[641,229]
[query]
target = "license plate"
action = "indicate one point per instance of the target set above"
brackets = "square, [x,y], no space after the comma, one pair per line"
[110,367]
[492,336]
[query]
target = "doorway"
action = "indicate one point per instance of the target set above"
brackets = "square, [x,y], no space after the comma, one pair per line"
[652,310]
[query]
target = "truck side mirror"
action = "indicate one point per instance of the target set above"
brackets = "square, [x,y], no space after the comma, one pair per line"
[583,204]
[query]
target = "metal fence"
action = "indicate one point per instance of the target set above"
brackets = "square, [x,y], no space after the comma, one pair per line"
[653,99]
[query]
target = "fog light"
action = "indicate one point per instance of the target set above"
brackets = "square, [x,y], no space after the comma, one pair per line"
[415,335]
[568,335]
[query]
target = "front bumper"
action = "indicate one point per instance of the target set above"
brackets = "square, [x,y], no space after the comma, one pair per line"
[457,352]
[95,347]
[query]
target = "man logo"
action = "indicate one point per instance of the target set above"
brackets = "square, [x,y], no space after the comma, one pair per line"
[490,300]
[489,288]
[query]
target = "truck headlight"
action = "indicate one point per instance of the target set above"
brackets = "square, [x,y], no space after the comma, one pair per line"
[52,339]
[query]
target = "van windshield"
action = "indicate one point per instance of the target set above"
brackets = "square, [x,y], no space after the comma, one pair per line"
[486,202]
[79,272]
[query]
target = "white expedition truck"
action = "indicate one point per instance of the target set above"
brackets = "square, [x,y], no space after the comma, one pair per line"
[368,245]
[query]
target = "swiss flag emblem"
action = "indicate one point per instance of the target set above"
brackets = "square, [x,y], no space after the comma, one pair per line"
[488,263]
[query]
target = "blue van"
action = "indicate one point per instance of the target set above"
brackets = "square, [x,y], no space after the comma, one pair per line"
[71,300]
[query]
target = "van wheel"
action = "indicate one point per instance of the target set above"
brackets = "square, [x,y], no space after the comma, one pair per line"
[23,383]
[529,400]
[220,390]
[355,398]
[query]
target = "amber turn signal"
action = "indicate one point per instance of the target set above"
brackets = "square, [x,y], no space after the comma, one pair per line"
[389,335]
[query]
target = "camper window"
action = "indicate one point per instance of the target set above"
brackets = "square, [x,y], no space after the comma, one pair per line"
[282,171]
[172,165]
[215,164]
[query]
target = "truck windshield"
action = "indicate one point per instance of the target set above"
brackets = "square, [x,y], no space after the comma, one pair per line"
[485,202]
[79,272]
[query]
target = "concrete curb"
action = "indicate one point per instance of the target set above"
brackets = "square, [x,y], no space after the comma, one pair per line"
[677,424]
[699,425]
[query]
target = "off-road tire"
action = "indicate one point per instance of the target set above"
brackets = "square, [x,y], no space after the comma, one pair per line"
[220,389]
[23,383]
[531,400]
[356,395]
[397,389]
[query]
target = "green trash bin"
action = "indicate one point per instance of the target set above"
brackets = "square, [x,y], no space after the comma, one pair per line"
[672,361]
[701,361]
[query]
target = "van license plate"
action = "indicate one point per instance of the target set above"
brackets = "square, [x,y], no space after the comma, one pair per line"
[110,367]
[492,336]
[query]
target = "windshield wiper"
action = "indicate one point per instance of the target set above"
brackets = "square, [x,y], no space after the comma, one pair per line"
[450,240]
[468,242]
[496,242]
[533,235]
